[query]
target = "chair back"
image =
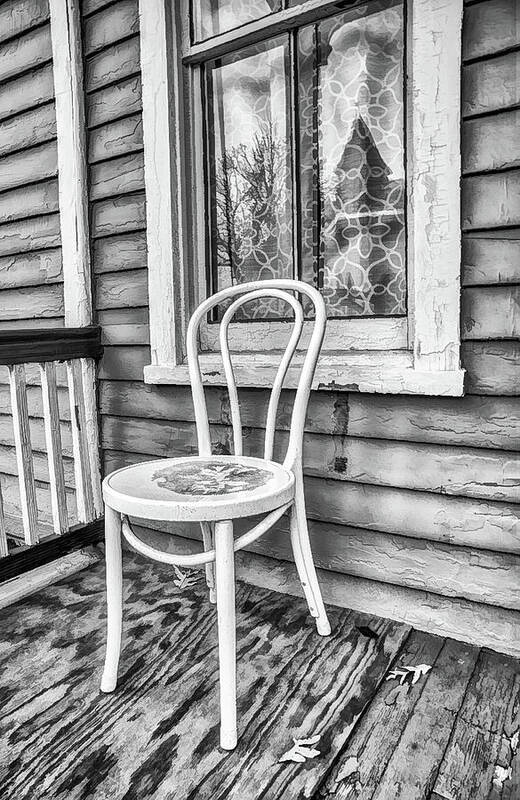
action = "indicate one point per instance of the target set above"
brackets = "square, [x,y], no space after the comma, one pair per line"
[284,290]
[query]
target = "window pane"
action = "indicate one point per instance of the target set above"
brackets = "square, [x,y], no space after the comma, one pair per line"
[211,17]
[250,171]
[351,115]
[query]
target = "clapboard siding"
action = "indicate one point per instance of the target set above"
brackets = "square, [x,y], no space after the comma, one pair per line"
[33,127]
[415,497]
[28,166]
[31,269]
[25,53]
[18,16]
[29,90]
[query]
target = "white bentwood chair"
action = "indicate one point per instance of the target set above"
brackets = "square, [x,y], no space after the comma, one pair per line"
[214,490]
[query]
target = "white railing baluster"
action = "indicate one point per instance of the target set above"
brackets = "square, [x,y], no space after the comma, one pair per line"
[24,455]
[4,547]
[80,444]
[51,419]
[88,369]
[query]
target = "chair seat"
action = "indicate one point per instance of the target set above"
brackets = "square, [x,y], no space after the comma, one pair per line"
[199,488]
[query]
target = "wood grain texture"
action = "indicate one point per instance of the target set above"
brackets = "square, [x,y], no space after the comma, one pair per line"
[491,85]
[24,53]
[29,90]
[491,257]
[30,234]
[279,694]
[490,27]
[119,252]
[116,138]
[118,215]
[31,269]
[27,166]
[113,102]
[490,143]
[504,210]
[121,289]
[119,176]
[108,25]
[17,16]
[491,312]
[31,127]
[112,64]
[492,367]
[24,453]
[29,201]
[32,301]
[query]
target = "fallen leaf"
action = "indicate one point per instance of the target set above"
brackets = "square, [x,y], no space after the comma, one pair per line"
[408,674]
[502,774]
[185,579]
[301,750]
[350,767]
[514,741]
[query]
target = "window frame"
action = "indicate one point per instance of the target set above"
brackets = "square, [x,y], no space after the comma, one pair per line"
[425,360]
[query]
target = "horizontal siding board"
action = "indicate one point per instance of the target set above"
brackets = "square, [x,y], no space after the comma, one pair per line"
[91,6]
[31,269]
[491,143]
[118,215]
[110,25]
[113,102]
[124,363]
[8,465]
[124,333]
[448,421]
[491,85]
[490,27]
[122,252]
[121,289]
[489,258]
[28,166]
[34,301]
[116,138]
[492,367]
[29,201]
[37,431]
[491,312]
[26,235]
[27,52]
[468,472]
[123,175]
[34,401]
[118,62]
[490,201]
[17,16]
[29,90]
[30,128]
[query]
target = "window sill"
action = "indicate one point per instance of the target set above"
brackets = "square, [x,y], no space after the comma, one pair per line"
[386,372]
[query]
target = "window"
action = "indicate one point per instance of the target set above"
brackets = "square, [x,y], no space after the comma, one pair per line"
[306,139]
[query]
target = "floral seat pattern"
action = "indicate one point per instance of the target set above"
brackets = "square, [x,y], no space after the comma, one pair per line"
[210,477]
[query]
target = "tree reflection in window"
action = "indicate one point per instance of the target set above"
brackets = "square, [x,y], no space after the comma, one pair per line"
[344,166]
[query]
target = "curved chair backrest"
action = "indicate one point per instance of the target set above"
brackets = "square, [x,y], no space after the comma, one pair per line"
[245,292]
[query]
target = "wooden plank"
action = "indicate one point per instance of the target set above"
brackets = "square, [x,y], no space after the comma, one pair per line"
[490,27]
[493,200]
[490,143]
[29,201]
[32,373]
[491,312]
[491,257]
[24,454]
[31,269]
[32,301]
[91,6]
[121,175]
[29,90]
[80,443]
[8,465]
[37,434]
[73,186]
[491,85]
[26,235]
[27,166]
[26,52]
[420,419]
[4,547]
[124,363]
[492,367]
[473,754]
[110,24]
[13,508]
[125,334]
[17,16]
[469,472]
[113,64]
[381,726]
[51,415]
[32,127]
[120,252]
[118,215]
[113,102]
[122,289]
[34,400]
[116,138]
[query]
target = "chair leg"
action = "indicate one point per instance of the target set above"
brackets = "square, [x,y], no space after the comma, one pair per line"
[207,537]
[225,580]
[304,561]
[114,573]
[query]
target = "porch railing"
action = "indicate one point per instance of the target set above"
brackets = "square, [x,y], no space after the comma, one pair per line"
[39,367]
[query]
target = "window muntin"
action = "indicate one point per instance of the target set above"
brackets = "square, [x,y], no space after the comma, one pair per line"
[327,98]
[212,17]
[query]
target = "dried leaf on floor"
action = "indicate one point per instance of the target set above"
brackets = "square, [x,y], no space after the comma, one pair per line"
[350,767]
[185,579]
[514,741]
[408,674]
[301,750]
[502,774]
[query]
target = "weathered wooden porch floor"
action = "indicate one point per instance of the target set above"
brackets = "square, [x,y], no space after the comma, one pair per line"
[451,736]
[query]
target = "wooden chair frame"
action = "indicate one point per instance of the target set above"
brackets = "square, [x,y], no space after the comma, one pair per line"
[217,529]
